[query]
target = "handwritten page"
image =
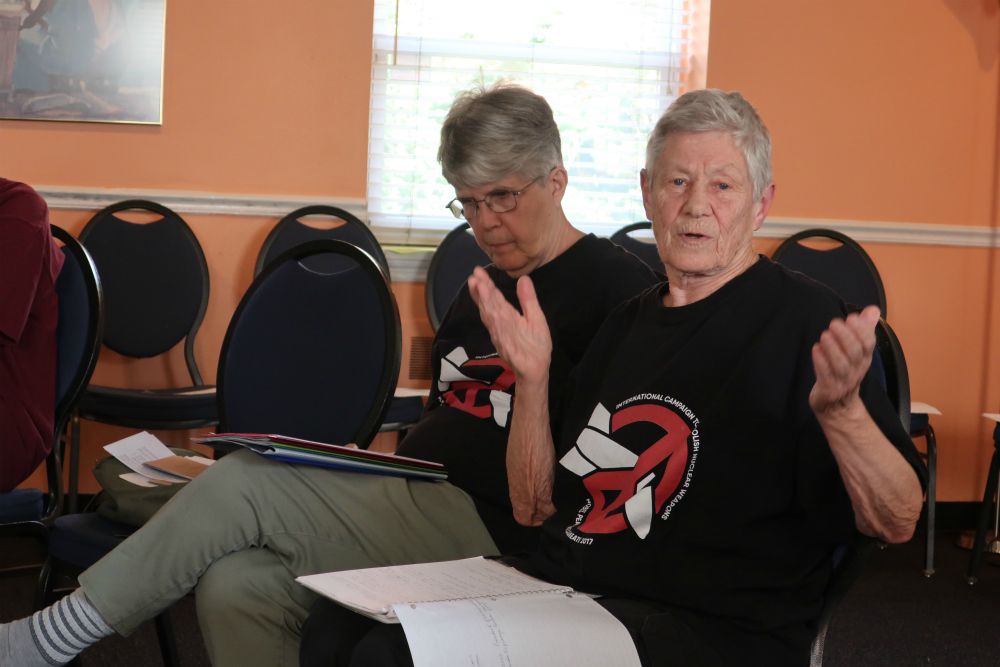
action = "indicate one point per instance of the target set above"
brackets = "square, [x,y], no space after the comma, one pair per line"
[135,450]
[516,631]
[374,590]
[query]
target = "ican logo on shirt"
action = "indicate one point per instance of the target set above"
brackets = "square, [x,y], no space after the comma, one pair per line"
[478,386]
[631,482]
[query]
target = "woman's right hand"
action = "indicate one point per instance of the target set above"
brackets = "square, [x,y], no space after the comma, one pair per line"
[522,339]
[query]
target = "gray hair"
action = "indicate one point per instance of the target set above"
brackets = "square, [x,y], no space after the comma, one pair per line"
[493,132]
[713,110]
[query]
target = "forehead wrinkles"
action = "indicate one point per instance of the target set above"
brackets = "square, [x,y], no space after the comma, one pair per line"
[730,169]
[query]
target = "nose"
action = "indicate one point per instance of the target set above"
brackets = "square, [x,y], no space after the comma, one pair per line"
[486,218]
[697,204]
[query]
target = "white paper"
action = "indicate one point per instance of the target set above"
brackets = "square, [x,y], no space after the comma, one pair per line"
[136,449]
[516,631]
[376,589]
[137,479]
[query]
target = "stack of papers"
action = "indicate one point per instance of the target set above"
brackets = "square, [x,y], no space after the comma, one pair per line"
[152,463]
[296,450]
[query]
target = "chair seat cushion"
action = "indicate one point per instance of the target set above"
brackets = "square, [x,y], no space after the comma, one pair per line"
[918,423]
[82,539]
[21,505]
[150,408]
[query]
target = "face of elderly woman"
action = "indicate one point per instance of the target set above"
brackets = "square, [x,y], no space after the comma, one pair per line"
[520,240]
[700,200]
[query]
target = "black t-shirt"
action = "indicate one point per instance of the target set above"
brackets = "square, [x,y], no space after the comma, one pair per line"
[692,472]
[468,411]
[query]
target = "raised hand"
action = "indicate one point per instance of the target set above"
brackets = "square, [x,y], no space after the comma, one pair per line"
[841,358]
[522,339]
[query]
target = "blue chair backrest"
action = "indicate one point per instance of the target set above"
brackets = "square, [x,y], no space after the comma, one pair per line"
[78,333]
[291,231]
[845,268]
[889,363]
[312,354]
[155,280]
[452,264]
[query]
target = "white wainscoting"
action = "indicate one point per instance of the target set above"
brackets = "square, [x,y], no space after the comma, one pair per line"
[412,266]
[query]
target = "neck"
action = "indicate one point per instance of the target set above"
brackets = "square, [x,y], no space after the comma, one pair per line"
[560,238]
[687,288]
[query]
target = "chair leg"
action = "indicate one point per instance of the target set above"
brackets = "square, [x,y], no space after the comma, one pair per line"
[984,517]
[165,635]
[931,498]
[74,463]
[43,584]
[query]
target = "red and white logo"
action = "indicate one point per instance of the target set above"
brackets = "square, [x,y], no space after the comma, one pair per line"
[628,486]
[480,386]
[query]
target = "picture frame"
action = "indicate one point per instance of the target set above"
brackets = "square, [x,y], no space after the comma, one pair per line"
[82,60]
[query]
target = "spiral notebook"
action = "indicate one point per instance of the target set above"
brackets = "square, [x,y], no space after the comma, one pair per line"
[479,611]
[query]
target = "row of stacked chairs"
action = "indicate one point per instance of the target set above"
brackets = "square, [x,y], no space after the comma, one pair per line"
[313,350]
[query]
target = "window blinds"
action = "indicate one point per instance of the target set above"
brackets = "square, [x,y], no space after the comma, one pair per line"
[607,69]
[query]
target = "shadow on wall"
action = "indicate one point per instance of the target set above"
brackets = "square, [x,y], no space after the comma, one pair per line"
[984,33]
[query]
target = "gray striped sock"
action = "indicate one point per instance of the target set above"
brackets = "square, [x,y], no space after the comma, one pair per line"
[64,629]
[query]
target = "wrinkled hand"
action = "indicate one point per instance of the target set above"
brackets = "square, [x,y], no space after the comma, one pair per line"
[841,358]
[522,340]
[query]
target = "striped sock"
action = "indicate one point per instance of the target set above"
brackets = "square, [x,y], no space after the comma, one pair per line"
[64,629]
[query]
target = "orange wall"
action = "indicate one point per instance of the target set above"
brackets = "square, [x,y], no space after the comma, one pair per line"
[258,98]
[887,111]
[883,111]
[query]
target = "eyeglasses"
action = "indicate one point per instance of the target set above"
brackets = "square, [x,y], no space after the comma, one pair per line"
[498,201]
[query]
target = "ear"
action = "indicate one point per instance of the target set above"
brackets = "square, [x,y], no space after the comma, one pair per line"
[762,206]
[557,181]
[646,184]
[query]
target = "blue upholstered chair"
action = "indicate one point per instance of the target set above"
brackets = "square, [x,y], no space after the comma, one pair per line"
[452,264]
[840,263]
[308,353]
[155,280]
[293,230]
[312,353]
[889,363]
[31,511]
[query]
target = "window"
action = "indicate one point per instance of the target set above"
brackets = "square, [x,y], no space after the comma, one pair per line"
[607,69]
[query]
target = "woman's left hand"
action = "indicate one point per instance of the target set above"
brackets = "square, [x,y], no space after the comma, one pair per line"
[841,358]
[521,339]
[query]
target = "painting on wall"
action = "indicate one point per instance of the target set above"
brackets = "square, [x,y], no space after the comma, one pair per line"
[82,60]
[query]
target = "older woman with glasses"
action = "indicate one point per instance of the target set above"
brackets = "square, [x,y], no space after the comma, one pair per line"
[245,528]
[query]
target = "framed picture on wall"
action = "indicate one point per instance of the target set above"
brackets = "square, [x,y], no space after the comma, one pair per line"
[82,60]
